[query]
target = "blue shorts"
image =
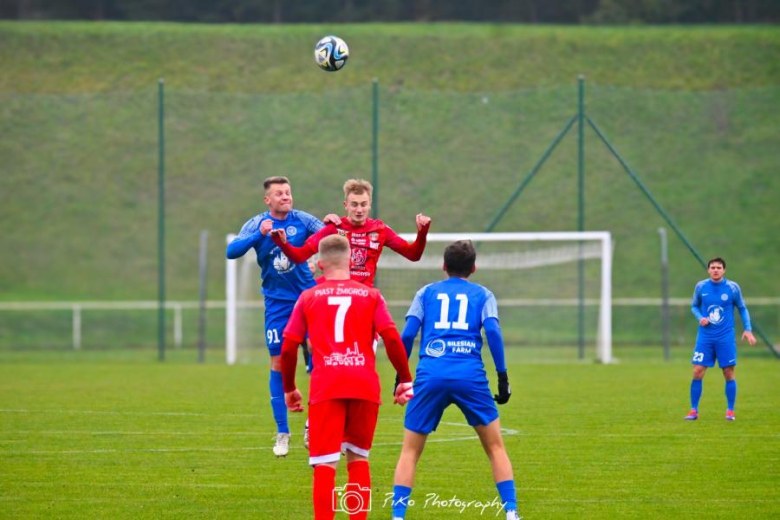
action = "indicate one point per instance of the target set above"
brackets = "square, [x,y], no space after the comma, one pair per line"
[277,314]
[709,349]
[433,396]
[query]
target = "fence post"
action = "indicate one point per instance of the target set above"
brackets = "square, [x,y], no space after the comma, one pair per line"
[161,222]
[177,325]
[375,151]
[581,214]
[77,327]
[665,292]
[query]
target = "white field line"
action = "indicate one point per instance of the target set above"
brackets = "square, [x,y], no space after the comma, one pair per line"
[438,438]
[113,412]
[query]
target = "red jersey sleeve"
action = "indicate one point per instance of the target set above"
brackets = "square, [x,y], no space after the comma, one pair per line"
[308,249]
[411,251]
[396,353]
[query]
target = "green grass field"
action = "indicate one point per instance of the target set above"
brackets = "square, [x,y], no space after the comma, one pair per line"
[92,435]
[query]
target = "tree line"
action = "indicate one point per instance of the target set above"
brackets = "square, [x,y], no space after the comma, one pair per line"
[349,11]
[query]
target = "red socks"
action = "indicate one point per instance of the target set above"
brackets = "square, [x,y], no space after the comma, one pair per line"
[360,481]
[355,498]
[324,482]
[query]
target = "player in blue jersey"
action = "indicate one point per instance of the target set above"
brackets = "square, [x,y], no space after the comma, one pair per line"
[283,280]
[713,305]
[452,314]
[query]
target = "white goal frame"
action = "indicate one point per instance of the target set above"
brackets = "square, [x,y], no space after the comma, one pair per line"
[604,238]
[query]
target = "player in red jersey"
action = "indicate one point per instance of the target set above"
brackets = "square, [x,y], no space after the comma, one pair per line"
[366,236]
[341,317]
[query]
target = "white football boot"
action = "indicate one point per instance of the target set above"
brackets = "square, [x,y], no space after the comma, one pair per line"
[282,446]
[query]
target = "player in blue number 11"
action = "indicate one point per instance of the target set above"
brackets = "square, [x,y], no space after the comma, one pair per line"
[713,305]
[452,314]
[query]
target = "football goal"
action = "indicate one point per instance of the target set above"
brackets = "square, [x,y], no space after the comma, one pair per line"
[534,276]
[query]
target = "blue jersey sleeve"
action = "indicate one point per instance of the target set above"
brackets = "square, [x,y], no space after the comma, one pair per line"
[696,302]
[410,332]
[416,309]
[490,309]
[247,238]
[739,303]
[493,331]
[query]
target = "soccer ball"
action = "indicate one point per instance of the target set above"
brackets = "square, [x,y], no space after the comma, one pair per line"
[331,53]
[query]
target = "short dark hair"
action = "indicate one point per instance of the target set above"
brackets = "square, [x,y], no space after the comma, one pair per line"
[718,260]
[279,179]
[459,258]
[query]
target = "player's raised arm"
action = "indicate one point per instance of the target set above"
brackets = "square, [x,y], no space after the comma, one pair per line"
[308,249]
[250,236]
[410,250]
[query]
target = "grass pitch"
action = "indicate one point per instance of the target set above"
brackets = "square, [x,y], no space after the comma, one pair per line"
[99,438]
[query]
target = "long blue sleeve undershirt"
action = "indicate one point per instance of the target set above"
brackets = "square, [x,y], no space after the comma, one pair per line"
[495,342]
[410,332]
[239,246]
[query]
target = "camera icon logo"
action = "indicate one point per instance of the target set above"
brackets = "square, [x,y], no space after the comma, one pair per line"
[351,498]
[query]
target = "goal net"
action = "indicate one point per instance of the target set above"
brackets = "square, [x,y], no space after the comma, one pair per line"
[534,276]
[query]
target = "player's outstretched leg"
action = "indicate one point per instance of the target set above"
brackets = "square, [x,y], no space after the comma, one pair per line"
[493,443]
[413,446]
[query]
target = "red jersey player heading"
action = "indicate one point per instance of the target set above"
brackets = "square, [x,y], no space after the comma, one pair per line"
[341,317]
[367,237]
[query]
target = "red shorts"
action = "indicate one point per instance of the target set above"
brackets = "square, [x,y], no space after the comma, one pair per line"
[337,422]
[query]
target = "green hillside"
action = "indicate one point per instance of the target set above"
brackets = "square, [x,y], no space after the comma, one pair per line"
[77,58]
[465,112]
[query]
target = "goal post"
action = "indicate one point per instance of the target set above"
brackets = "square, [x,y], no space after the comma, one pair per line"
[530,273]
[521,252]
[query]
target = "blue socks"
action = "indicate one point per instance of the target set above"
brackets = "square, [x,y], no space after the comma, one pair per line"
[277,402]
[400,500]
[731,393]
[695,393]
[506,491]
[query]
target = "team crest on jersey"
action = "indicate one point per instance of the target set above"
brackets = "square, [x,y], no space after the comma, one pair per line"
[715,314]
[350,358]
[342,232]
[358,257]
[724,297]
[436,348]
[373,236]
[291,231]
[282,264]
